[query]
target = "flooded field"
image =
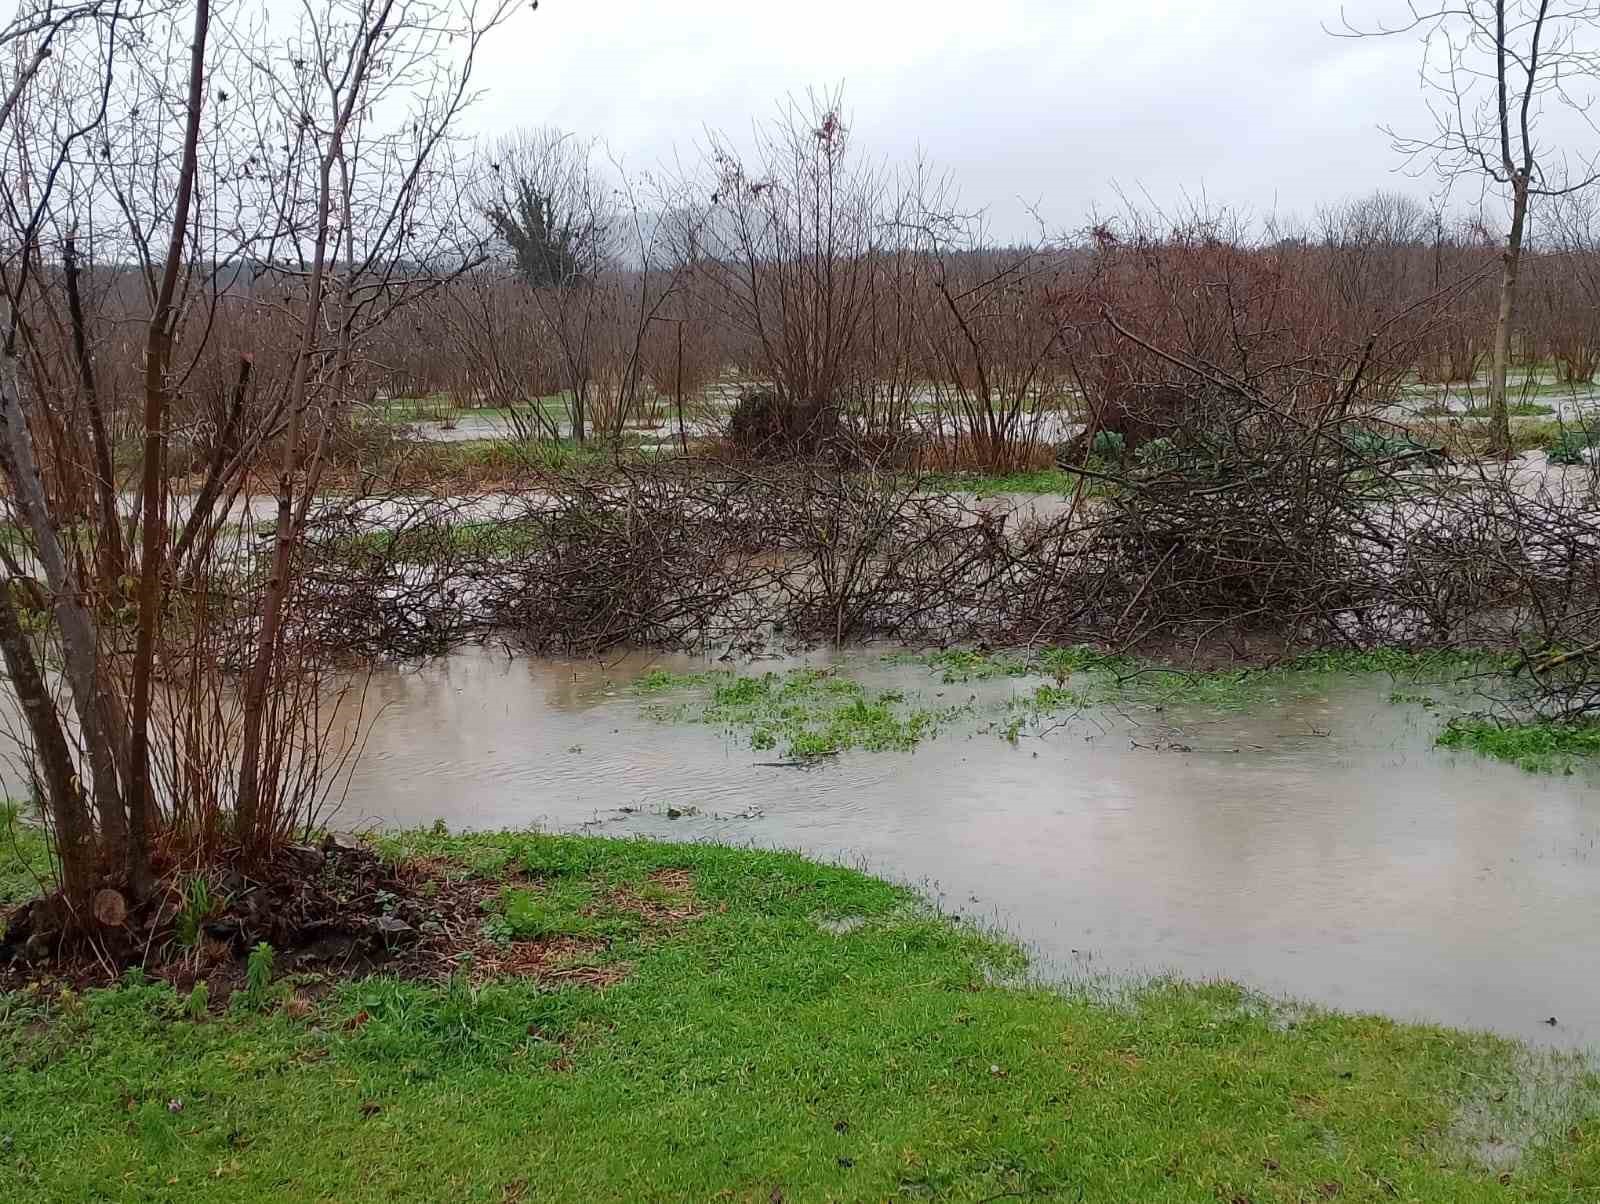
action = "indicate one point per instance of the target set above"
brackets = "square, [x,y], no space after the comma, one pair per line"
[1320,847]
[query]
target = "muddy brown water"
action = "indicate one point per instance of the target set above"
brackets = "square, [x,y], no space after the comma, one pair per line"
[1319,848]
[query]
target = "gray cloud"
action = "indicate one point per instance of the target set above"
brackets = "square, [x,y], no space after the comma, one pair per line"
[1059,102]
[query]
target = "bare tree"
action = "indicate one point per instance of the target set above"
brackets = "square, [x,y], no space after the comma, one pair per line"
[787,253]
[547,204]
[1489,69]
[254,207]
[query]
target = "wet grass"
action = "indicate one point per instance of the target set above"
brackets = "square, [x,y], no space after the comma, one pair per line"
[1471,437]
[812,713]
[24,856]
[1514,409]
[1108,678]
[1538,745]
[469,464]
[1039,480]
[809,1034]
[819,712]
[806,713]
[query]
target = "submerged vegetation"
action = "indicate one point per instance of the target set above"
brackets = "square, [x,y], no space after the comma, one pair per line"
[749,1025]
[812,712]
[1537,745]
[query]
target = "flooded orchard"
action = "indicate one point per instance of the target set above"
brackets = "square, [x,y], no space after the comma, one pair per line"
[1317,845]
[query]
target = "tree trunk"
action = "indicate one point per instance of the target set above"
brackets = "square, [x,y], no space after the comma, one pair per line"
[252,826]
[79,639]
[152,566]
[74,834]
[108,547]
[1510,266]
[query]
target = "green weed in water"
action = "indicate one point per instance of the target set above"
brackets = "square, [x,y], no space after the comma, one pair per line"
[809,712]
[1538,746]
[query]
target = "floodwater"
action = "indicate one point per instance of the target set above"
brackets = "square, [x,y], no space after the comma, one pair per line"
[1319,848]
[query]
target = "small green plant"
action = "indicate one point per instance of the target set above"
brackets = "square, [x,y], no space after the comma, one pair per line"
[1156,452]
[1571,446]
[198,1002]
[197,908]
[1108,445]
[497,929]
[258,975]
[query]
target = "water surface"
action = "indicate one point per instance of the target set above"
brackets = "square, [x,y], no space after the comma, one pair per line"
[1319,847]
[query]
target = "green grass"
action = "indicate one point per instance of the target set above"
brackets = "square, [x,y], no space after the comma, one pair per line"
[1538,745]
[24,856]
[815,712]
[1125,679]
[760,1053]
[805,712]
[1039,480]
[511,454]
[1542,381]
[957,665]
[470,463]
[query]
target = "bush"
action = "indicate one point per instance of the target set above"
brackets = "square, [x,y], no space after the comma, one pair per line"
[767,426]
[1572,446]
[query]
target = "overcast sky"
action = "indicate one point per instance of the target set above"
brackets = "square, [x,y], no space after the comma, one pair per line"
[1055,102]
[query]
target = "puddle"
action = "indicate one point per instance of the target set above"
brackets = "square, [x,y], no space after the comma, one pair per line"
[1319,847]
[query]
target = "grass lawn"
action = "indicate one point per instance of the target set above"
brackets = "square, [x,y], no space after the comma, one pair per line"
[1039,480]
[778,1031]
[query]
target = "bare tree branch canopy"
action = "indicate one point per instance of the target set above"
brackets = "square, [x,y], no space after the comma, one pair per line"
[1489,71]
[303,181]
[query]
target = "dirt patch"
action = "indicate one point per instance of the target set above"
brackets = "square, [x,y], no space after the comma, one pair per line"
[670,903]
[330,913]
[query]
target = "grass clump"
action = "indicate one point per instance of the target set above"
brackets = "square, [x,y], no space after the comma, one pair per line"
[958,665]
[441,407]
[807,712]
[1536,745]
[766,1050]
